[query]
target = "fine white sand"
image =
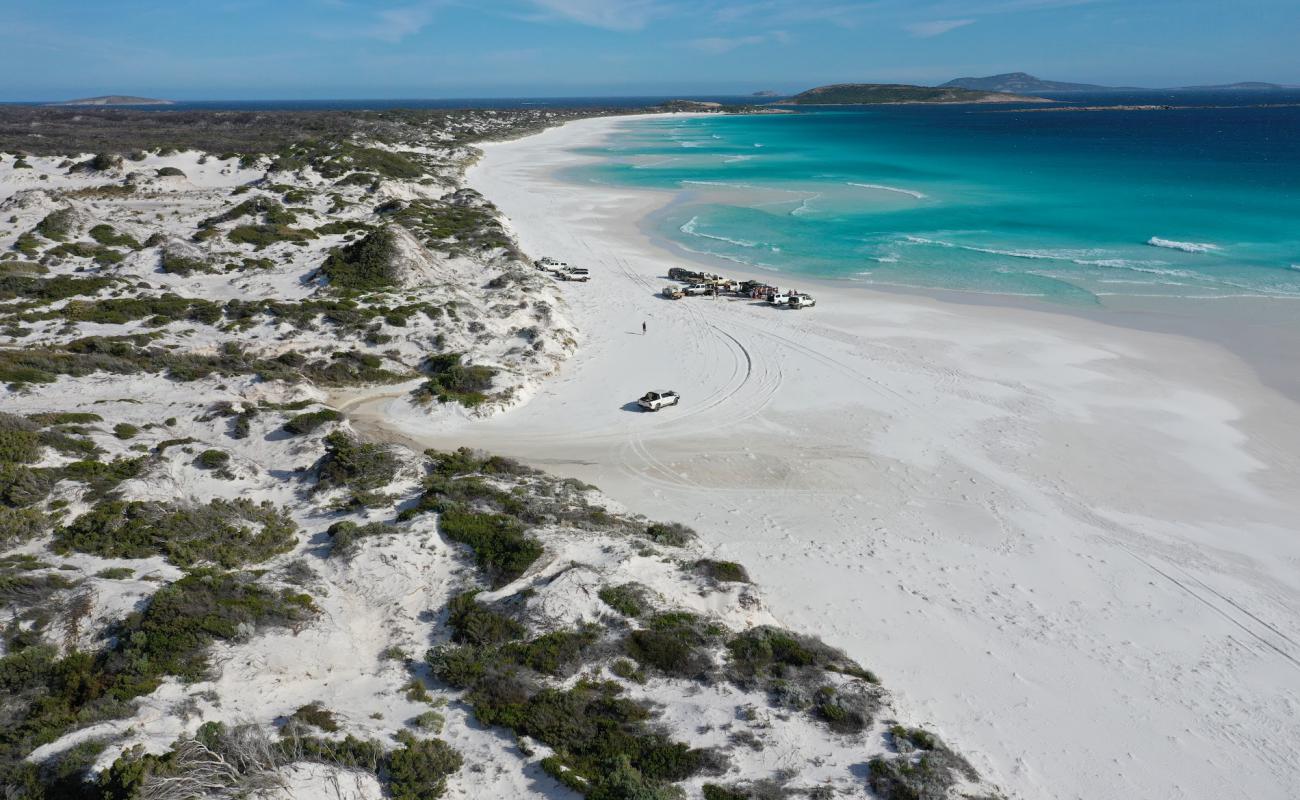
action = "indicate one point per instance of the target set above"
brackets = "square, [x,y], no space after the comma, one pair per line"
[1069,548]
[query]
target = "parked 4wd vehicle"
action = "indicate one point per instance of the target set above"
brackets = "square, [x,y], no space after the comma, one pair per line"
[653,401]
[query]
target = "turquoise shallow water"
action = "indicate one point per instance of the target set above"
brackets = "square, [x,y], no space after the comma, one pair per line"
[1069,207]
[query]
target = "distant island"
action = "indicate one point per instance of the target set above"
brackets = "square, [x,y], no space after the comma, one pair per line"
[1022,82]
[853,94]
[116,100]
[766,93]
[1244,86]
[1018,83]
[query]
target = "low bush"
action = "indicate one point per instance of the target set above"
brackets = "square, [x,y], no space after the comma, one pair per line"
[670,534]
[721,571]
[230,533]
[473,623]
[420,768]
[366,264]
[20,441]
[317,716]
[213,459]
[263,236]
[357,466]
[170,172]
[57,226]
[306,423]
[451,381]
[109,237]
[346,535]
[502,550]
[125,430]
[628,599]
[675,643]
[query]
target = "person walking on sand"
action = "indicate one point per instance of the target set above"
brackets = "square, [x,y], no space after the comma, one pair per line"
[643,328]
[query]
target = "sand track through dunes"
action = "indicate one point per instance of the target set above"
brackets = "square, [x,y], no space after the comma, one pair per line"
[1070,548]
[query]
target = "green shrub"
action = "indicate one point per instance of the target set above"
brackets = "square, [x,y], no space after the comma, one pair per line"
[125,430]
[430,721]
[213,459]
[19,525]
[306,423]
[317,716]
[628,670]
[175,262]
[65,418]
[230,533]
[115,573]
[366,264]
[931,775]
[670,534]
[628,599]
[419,770]
[766,652]
[722,571]
[676,643]
[451,381]
[501,548]
[357,466]
[473,623]
[345,535]
[19,440]
[558,653]
[263,236]
[108,236]
[171,172]
[57,226]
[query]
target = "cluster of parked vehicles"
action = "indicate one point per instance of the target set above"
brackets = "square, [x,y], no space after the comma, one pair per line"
[714,285]
[562,271]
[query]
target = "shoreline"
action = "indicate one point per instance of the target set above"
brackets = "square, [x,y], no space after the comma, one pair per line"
[1261,331]
[1063,544]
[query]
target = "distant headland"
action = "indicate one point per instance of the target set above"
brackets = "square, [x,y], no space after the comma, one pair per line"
[116,100]
[842,94]
[1020,82]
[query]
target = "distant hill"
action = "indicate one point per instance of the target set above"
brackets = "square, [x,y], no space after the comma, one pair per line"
[1241,87]
[1018,83]
[116,100]
[841,94]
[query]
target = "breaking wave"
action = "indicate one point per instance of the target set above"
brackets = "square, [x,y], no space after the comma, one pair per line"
[1147,267]
[884,188]
[691,228]
[1186,247]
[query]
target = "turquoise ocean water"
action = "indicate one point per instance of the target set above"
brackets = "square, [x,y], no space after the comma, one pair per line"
[1071,207]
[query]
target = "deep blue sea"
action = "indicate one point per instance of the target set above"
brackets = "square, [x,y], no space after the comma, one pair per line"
[1072,207]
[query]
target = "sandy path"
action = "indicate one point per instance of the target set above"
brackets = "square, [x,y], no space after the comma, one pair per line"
[1070,548]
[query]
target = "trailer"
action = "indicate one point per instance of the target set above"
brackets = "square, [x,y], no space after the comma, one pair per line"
[673,292]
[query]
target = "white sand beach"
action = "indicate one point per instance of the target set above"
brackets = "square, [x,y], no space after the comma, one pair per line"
[1071,549]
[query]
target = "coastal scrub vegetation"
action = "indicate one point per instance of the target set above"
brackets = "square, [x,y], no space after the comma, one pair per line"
[451,381]
[366,264]
[229,533]
[47,694]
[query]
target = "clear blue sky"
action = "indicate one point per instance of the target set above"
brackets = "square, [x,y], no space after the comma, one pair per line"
[277,49]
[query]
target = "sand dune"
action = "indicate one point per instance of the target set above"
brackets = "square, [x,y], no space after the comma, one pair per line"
[1070,548]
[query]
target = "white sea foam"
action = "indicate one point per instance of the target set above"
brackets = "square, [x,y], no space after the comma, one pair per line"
[895,189]
[734,159]
[1072,257]
[1186,247]
[691,228]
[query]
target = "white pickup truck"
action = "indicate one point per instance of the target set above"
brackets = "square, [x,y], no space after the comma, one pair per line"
[653,401]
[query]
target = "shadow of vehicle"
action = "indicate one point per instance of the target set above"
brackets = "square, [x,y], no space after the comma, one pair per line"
[633,406]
